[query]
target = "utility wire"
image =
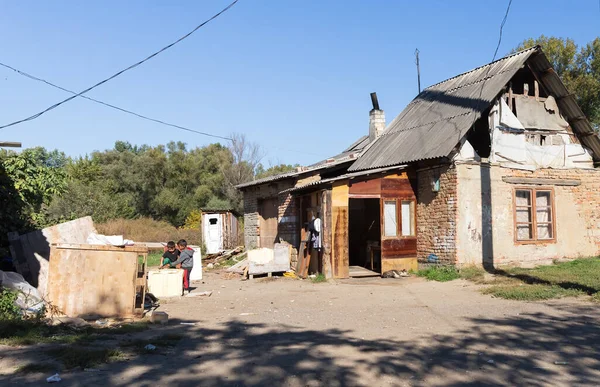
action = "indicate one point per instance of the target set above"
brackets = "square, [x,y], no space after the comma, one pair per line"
[108,104]
[495,52]
[33,117]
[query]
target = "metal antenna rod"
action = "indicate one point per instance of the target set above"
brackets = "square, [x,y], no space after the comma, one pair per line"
[418,69]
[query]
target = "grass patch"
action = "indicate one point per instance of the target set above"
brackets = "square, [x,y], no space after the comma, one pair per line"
[472,273]
[439,273]
[19,333]
[523,292]
[579,277]
[72,357]
[154,258]
[36,368]
[319,278]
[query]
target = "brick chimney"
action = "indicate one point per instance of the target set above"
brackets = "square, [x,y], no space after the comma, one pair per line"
[376,119]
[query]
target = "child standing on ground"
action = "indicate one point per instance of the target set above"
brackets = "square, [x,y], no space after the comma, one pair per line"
[171,255]
[185,262]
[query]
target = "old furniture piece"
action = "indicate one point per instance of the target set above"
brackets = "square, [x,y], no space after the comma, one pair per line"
[165,282]
[97,280]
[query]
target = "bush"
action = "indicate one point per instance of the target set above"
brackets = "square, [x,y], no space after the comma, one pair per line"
[8,309]
[439,273]
[148,230]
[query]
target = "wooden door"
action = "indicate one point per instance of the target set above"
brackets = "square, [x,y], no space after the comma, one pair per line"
[268,211]
[398,234]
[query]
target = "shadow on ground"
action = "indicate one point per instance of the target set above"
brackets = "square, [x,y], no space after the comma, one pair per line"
[519,350]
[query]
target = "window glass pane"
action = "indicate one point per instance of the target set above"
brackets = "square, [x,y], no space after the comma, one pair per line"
[408,217]
[390,218]
[542,198]
[544,231]
[524,232]
[524,215]
[543,214]
[523,198]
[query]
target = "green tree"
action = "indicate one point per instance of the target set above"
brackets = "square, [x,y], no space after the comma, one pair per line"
[578,67]
[261,172]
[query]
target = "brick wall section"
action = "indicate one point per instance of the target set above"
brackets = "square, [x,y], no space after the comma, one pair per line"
[287,214]
[288,226]
[437,215]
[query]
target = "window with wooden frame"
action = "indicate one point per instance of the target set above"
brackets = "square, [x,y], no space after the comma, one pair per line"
[399,218]
[534,215]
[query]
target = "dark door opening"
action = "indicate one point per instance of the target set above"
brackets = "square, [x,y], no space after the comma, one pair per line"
[364,231]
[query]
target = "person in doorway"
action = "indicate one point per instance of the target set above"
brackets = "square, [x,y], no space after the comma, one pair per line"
[185,262]
[171,255]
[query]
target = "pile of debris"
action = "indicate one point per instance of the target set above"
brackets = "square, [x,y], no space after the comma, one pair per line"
[213,260]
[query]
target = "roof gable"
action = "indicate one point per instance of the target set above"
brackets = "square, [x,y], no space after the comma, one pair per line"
[440,116]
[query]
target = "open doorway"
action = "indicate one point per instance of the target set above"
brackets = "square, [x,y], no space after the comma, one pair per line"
[364,234]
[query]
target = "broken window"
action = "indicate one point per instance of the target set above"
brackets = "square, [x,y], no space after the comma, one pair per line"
[390,219]
[408,217]
[534,218]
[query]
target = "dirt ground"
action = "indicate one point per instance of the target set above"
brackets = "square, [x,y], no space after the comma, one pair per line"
[359,332]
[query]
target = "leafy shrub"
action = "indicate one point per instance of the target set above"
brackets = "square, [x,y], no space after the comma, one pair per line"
[8,309]
[439,273]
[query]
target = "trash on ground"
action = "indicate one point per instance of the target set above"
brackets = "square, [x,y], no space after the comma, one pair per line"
[491,361]
[184,323]
[561,362]
[201,294]
[247,314]
[28,298]
[158,317]
[150,347]
[91,370]
[53,379]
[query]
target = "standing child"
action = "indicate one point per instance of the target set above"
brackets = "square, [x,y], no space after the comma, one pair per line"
[185,262]
[170,256]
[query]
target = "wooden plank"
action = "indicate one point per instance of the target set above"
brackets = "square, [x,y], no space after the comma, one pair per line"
[327,235]
[366,187]
[94,282]
[540,181]
[399,264]
[340,257]
[398,247]
[268,212]
[358,271]
[397,188]
[131,249]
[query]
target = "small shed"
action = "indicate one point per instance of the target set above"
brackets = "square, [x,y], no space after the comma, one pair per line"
[219,230]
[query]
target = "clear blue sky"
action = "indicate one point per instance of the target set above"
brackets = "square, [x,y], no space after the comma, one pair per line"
[292,75]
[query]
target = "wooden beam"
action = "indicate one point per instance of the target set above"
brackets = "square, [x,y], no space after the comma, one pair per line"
[9,144]
[536,88]
[539,181]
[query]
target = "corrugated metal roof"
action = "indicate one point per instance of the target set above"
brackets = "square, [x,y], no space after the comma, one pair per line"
[348,155]
[567,104]
[438,118]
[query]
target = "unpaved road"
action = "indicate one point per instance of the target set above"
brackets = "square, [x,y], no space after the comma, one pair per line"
[375,332]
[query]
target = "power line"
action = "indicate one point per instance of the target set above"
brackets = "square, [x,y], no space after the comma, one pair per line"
[33,117]
[495,52]
[110,105]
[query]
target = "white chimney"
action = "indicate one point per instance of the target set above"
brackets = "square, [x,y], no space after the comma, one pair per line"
[376,119]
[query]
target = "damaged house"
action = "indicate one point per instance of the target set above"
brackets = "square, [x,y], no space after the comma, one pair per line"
[494,166]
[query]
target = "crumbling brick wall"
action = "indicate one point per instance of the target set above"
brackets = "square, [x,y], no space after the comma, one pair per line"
[437,215]
[287,227]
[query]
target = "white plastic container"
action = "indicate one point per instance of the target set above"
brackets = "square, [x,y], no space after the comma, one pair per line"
[165,282]
[196,274]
